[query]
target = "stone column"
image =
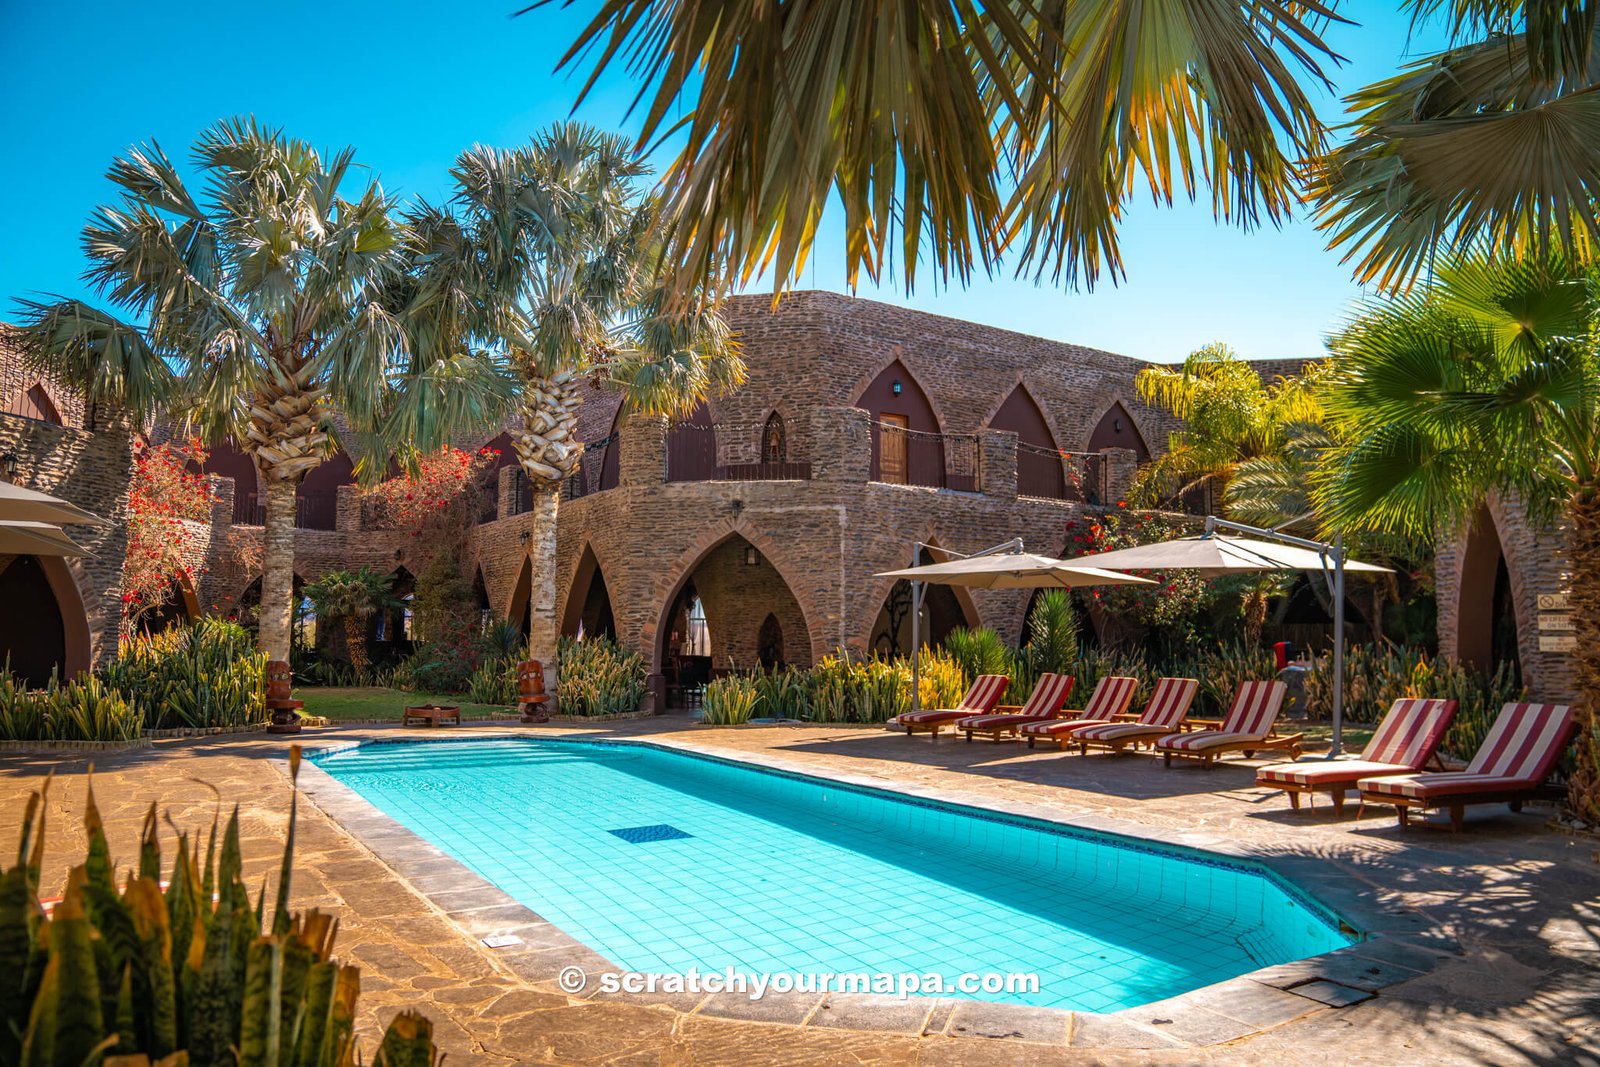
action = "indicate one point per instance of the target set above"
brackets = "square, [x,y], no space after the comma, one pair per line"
[347,509]
[222,495]
[997,464]
[506,491]
[1117,467]
[841,445]
[643,459]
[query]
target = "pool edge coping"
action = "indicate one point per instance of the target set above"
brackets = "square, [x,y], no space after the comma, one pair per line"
[1397,946]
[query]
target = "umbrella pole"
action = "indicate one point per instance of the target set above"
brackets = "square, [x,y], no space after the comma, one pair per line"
[916,643]
[1338,647]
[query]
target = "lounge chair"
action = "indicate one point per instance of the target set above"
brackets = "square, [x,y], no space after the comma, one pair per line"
[980,700]
[1111,697]
[1403,744]
[1248,727]
[1510,767]
[1169,703]
[1050,692]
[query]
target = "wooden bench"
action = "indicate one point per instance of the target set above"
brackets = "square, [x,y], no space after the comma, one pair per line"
[433,715]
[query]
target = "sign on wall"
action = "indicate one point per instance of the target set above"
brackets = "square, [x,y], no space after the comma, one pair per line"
[1557,642]
[1553,602]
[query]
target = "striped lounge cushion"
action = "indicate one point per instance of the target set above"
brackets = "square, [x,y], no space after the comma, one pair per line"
[1169,702]
[1112,695]
[1049,693]
[1520,752]
[980,700]
[1206,740]
[1250,718]
[1117,731]
[1410,732]
[1311,775]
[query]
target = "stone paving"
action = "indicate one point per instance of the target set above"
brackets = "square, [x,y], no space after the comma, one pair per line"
[1502,965]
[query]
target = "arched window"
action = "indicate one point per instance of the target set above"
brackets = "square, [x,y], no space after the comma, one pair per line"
[774,441]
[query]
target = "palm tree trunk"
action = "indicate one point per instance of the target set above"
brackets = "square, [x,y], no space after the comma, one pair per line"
[355,641]
[1583,522]
[542,629]
[277,570]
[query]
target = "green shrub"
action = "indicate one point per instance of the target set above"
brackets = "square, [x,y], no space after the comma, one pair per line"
[870,690]
[1094,664]
[597,676]
[175,973]
[494,681]
[730,701]
[980,651]
[940,682]
[785,694]
[81,710]
[1220,669]
[206,674]
[1051,646]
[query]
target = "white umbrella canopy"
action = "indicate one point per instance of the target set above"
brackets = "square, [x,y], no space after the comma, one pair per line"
[1216,554]
[18,504]
[36,539]
[1012,570]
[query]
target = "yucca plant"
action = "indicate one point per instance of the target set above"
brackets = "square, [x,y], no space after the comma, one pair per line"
[730,701]
[940,680]
[784,693]
[175,975]
[81,710]
[979,651]
[600,677]
[206,674]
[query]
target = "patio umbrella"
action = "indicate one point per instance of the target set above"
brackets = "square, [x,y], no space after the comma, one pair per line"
[36,539]
[1213,553]
[1012,570]
[1003,567]
[28,505]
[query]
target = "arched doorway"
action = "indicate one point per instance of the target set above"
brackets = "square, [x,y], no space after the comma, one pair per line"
[1039,470]
[588,608]
[902,415]
[1116,430]
[691,448]
[180,607]
[34,639]
[944,608]
[712,621]
[1486,616]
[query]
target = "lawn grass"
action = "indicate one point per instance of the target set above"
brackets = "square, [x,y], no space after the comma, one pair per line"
[1320,734]
[367,703]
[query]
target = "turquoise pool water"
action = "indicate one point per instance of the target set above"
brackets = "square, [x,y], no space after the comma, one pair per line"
[720,864]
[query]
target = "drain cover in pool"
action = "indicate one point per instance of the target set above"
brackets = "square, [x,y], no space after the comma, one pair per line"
[640,835]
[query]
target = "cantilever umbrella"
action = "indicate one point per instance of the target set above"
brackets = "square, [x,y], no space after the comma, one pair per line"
[1013,570]
[1213,553]
[1007,568]
[18,504]
[36,539]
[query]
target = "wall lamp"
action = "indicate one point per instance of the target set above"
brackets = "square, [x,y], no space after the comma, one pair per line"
[1116,424]
[8,466]
[897,388]
[525,537]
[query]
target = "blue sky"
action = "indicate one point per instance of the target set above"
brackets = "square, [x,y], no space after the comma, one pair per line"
[409,84]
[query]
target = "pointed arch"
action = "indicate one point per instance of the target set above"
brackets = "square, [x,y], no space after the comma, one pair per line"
[521,594]
[611,462]
[774,439]
[53,634]
[1487,625]
[771,573]
[34,402]
[588,601]
[897,403]
[1117,429]
[1039,465]
[944,608]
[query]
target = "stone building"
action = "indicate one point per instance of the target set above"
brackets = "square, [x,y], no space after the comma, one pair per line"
[749,533]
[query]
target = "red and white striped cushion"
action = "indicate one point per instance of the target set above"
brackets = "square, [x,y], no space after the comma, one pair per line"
[980,700]
[1521,750]
[1205,740]
[1117,731]
[1325,775]
[1112,695]
[1050,692]
[1409,733]
[1254,710]
[1169,702]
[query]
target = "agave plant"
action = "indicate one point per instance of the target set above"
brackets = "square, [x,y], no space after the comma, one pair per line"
[730,701]
[180,973]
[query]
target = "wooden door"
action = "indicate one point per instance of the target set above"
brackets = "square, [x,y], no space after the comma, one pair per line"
[892,448]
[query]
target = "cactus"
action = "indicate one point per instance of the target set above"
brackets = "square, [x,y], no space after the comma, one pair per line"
[179,976]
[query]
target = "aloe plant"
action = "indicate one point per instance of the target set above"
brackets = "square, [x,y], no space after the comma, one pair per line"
[730,701]
[177,975]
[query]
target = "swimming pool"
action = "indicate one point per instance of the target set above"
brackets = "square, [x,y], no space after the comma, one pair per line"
[664,861]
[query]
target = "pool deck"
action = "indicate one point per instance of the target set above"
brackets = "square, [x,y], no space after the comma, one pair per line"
[1490,951]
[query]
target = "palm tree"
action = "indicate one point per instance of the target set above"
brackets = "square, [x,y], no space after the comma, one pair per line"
[1231,419]
[256,310]
[962,130]
[1487,382]
[557,234]
[351,597]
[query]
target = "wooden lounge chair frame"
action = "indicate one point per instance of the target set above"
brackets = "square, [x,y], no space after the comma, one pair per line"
[1146,736]
[1072,718]
[1456,804]
[1248,746]
[938,719]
